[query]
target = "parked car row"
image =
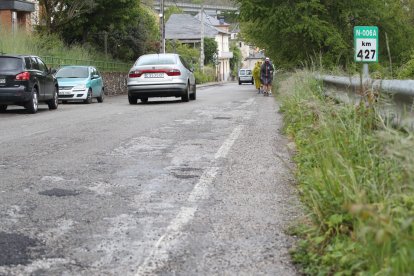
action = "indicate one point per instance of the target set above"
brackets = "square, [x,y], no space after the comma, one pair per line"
[25,80]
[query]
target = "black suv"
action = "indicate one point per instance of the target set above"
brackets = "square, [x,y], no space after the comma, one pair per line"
[25,80]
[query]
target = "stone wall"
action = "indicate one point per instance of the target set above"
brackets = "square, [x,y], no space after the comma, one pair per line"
[115,83]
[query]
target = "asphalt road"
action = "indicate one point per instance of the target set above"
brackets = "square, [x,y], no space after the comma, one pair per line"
[164,188]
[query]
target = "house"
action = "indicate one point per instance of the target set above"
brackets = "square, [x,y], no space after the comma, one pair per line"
[187,29]
[252,58]
[16,14]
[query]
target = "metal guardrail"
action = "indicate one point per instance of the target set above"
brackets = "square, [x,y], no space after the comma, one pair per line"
[103,66]
[398,106]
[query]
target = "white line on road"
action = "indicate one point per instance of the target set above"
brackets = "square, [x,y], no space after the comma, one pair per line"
[160,253]
[225,148]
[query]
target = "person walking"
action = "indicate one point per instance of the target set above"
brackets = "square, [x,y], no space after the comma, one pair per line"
[266,76]
[256,76]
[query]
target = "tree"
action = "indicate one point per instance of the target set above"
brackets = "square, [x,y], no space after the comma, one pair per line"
[172,10]
[210,48]
[295,32]
[236,60]
[57,13]
[127,27]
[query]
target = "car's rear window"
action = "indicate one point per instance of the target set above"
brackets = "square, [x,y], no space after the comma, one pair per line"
[73,72]
[156,60]
[248,72]
[242,72]
[10,64]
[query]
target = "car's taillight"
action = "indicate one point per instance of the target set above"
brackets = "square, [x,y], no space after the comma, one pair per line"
[23,76]
[173,72]
[135,74]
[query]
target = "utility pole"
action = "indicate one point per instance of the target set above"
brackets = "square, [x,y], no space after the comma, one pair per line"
[162,27]
[202,39]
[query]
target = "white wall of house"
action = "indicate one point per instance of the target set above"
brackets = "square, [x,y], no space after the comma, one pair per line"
[224,56]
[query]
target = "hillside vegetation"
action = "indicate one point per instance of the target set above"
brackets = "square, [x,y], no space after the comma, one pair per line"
[299,33]
[356,178]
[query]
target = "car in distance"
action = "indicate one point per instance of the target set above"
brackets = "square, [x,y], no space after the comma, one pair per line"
[25,80]
[80,83]
[161,75]
[245,76]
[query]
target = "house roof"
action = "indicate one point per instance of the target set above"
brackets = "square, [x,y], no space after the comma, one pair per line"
[213,21]
[18,5]
[187,27]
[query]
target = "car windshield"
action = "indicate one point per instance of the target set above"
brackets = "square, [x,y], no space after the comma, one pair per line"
[156,60]
[73,72]
[10,64]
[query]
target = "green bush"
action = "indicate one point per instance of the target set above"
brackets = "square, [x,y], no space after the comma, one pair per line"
[207,76]
[407,70]
[356,178]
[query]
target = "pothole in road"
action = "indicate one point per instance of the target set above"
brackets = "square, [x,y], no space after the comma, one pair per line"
[184,176]
[59,192]
[15,249]
[222,118]
[186,172]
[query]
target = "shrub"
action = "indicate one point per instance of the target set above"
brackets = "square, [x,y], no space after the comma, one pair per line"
[356,178]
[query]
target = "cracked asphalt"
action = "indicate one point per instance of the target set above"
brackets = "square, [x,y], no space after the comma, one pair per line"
[164,188]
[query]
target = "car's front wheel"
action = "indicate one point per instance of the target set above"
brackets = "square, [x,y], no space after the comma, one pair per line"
[88,97]
[53,103]
[132,99]
[101,96]
[33,104]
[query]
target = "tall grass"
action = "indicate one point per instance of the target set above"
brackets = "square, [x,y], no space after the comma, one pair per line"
[22,42]
[356,177]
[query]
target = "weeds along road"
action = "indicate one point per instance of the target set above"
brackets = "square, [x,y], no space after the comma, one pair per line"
[164,188]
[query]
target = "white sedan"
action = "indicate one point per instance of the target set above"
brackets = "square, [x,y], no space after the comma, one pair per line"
[161,75]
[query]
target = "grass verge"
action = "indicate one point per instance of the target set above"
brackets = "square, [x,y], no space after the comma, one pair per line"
[43,45]
[356,178]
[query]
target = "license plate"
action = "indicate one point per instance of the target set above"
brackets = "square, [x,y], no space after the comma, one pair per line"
[2,81]
[154,75]
[65,92]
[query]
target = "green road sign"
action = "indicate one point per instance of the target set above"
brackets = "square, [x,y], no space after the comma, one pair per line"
[366,43]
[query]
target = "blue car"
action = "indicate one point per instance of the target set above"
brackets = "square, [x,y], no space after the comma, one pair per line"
[80,83]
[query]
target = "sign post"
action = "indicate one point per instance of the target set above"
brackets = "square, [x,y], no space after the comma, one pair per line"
[366,41]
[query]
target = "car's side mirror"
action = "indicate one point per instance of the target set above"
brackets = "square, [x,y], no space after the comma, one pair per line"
[95,77]
[52,71]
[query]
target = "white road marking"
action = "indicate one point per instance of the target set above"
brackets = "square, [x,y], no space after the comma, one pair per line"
[160,253]
[225,148]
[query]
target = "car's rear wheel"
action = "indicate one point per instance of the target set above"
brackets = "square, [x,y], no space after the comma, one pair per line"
[132,99]
[88,97]
[194,95]
[53,103]
[144,100]
[33,104]
[101,96]
[3,107]
[186,96]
